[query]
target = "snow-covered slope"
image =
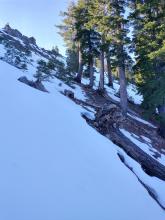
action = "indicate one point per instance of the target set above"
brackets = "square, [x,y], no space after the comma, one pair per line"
[23,52]
[132,90]
[54,166]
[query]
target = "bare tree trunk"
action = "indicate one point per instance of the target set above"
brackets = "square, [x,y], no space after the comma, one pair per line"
[91,73]
[110,79]
[161,129]
[121,71]
[80,70]
[123,89]
[101,82]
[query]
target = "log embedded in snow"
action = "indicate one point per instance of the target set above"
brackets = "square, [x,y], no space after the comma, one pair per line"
[108,121]
[151,166]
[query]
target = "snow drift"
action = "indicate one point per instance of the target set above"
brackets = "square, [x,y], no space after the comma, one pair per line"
[54,166]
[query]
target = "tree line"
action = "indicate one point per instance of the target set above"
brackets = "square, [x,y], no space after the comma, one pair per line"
[127,35]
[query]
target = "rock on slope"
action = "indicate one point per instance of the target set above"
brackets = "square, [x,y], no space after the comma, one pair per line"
[54,166]
[23,52]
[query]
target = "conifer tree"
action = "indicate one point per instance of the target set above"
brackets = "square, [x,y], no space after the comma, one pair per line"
[109,67]
[71,61]
[98,12]
[74,26]
[149,40]
[71,31]
[101,23]
[43,72]
[120,37]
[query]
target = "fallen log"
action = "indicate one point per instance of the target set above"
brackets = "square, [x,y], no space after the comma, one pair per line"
[108,122]
[149,189]
[151,166]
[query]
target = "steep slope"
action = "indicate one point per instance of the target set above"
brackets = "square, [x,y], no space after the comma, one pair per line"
[24,53]
[54,166]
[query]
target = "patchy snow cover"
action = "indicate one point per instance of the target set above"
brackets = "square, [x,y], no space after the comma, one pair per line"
[131,89]
[32,60]
[79,93]
[54,166]
[112,93]
[16,38]
[134,95]
[58,85]
[29,58]
[141,120]
[145,144]
[2,50]
[132,92]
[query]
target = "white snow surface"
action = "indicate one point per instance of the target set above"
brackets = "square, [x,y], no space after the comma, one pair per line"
[153,183]
[146,145]
[134,95]
[141,120]
[157,185]
[132,91]
[54,166]
[2,50]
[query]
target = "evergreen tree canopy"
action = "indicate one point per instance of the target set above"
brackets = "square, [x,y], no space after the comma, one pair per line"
[149,40]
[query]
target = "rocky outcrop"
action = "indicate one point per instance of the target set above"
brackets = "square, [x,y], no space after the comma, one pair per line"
[36,84]
[22,47]
[15,33]
[69,93]
[15,39]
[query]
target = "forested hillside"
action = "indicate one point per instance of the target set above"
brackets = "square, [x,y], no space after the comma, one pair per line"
[82,135]
[124,39]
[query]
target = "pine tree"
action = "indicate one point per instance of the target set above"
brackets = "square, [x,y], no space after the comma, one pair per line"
[109,67]
[76,34]
[70,31]
[120,38]
[99,27]
[72,61]
[98,12]
[43,72]
[108,18]
[149,40]
[91,39]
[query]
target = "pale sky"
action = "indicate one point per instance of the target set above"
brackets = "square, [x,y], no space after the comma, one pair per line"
[35,18]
